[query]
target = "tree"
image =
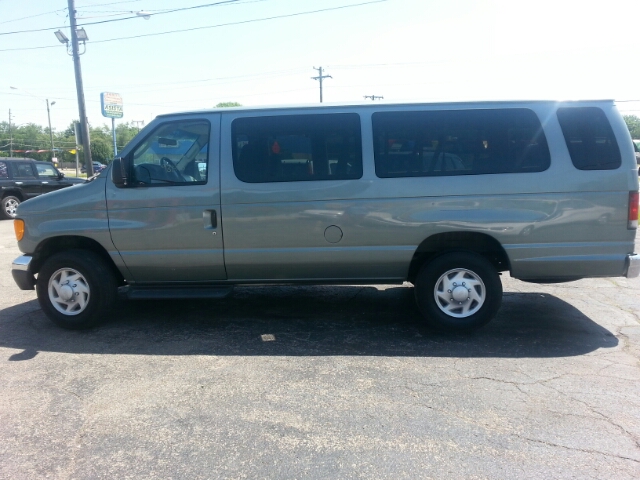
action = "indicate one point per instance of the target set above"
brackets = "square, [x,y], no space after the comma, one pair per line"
[101,144]
[101,149]
[633,124]
[65,143]
[228,104]
[25,141]
[124,133]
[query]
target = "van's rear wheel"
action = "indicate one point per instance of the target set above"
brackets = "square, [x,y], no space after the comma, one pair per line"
[76,289]
[458,291]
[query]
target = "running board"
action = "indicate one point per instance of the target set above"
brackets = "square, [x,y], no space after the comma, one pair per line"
[176,292]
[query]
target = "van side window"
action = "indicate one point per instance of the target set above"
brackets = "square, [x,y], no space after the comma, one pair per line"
[589,138]
[291,148]
[175,153]
[458,142]
[3,170]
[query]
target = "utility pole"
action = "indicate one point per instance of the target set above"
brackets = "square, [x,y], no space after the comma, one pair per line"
[320,77]
[50,132]
[373,97]
[84,127]
[78,138]
[10,136]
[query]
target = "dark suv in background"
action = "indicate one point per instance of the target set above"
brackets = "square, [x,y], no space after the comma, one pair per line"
[25,178]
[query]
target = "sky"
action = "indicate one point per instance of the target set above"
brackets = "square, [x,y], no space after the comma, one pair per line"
[263,52]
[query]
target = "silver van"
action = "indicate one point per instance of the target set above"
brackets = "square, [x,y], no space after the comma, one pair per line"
[445,196]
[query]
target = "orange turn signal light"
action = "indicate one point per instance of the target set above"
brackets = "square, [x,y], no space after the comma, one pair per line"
[18,227]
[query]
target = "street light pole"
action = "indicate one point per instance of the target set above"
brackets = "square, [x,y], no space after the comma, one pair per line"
[48,115]
[50,131]
[10,136]
[84,127]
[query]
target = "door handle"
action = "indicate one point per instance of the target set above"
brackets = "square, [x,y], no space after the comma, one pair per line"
[210,219]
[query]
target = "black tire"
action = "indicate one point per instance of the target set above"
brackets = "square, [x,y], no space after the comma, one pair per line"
[471,279]
[82,299]
[9,205]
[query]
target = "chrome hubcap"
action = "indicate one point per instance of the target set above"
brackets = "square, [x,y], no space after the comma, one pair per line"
[11,207]
[459,293]
[68,291]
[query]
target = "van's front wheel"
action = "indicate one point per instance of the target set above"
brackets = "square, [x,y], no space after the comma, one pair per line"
[76,289]
[458,291]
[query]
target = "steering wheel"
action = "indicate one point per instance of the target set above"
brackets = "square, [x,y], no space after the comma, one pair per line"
[171,168]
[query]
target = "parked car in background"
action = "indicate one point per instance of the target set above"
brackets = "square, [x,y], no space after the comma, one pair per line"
[97,167]
[25,178]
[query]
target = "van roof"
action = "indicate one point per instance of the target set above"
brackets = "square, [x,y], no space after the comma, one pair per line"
[376,105]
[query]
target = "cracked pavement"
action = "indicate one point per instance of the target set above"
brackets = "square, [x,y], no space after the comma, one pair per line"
[324,382]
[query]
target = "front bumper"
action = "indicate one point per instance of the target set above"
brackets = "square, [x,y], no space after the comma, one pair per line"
[633,265]
[21,271]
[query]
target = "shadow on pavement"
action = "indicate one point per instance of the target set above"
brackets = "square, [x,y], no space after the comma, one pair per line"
[292,321]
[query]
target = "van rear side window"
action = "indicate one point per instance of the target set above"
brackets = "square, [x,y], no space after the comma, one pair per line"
[289,148]
[589,138]
[458,142]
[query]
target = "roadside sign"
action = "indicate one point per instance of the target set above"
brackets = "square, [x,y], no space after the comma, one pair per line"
[111,104]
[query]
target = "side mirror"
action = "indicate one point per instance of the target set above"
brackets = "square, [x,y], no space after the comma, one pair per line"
[120,172]
[60,175]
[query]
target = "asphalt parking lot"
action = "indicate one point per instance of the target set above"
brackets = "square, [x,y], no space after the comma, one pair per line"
[323,382]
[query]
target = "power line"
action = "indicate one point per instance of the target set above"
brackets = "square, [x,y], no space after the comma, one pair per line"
[256,94]
[242,22]
[207,83]
[28,48]
[33,16]
[112,14]
[368,65]
[171,103]
[164,12]
[275,73]
[232,79]
[112,3]
[264,19]
[151,12]
[223,2]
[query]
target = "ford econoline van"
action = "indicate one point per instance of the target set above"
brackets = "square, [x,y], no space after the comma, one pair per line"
[445,196]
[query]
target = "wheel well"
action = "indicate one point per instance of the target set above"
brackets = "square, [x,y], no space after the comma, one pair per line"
[12,193]
[60,244]
[440,243]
